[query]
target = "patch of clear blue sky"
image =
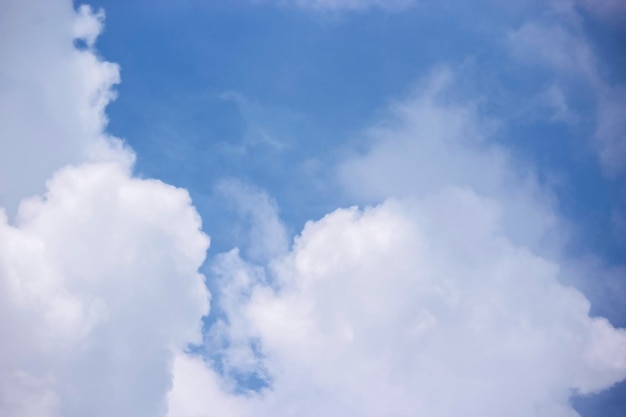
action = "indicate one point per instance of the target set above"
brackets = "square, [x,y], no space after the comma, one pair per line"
[275,96]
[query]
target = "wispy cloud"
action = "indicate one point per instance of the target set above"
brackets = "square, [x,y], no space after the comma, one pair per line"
[562,47]
[432,140]
[264,126]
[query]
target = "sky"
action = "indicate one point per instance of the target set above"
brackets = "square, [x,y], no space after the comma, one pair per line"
[350,208]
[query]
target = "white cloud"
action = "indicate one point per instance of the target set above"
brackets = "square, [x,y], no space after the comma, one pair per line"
[416,308]
[99,286]
[53,95]
[197,392]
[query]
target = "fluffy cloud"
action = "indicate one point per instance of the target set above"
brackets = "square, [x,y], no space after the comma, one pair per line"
[99,288]
[434,303]
[98,276]
[53,117]
[409,309]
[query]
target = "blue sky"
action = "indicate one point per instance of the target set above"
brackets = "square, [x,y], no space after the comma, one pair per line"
[252,90]
[358,165]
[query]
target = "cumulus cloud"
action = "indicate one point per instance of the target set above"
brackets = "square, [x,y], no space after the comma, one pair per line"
[431,303]
[413,308]
[99,286]
[53,117]
[198,391]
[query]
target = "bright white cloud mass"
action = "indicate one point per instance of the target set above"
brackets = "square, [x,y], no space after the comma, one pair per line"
[98,276]
[446,296]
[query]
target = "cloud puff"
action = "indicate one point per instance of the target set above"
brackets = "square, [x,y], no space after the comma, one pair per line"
[198,391]
[50,117]
[99,286]
[414,308]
